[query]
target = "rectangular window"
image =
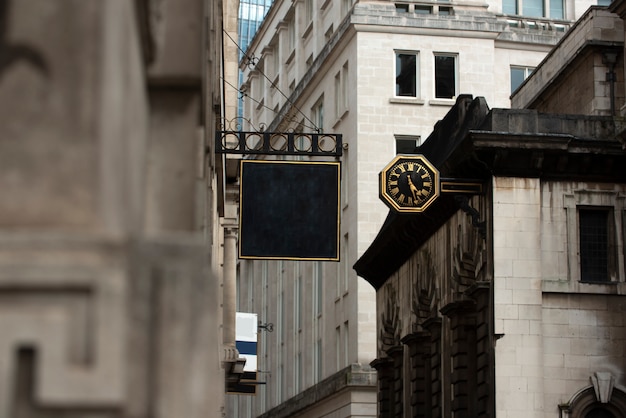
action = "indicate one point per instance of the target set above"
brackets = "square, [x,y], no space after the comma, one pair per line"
[347,267]
[509,7]
[338,347]
[556,9]
[406,74]
[445,76]
[292,35]
[317,113]
[346,343]
[345,6]
[318,360]
[407,144]
[341,91]
[594,244]
[518,75]
[276,57]
[318,283]
[533,8]
[402,7]
[308,11]
[298,373]
[344,86]
[338,95]
[298,298]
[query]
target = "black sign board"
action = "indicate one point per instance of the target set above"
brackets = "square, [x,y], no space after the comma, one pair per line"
[289,210]
[246,385]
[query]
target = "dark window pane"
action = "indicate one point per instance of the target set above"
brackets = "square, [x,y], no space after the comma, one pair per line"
[594,245]
[445,77]
[406,145]
[406,75]
[599,413]
[402,7]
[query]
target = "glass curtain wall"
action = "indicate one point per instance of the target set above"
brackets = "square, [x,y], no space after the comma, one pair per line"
[251,14]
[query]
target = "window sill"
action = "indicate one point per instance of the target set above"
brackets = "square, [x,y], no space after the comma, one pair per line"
[340,118]
[442,102]
[292,54]
[406,100]
[308,30]
[566,286]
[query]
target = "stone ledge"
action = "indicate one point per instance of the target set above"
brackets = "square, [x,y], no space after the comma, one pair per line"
[361,377]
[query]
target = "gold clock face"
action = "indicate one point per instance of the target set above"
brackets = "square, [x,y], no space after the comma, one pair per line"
[409,183]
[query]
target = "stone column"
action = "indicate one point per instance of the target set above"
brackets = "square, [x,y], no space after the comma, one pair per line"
[433,326]
[397,382]
[463,354]
[230,293]
[418,344]
[384,367]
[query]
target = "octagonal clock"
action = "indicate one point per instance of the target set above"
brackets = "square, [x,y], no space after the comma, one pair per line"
[409,183]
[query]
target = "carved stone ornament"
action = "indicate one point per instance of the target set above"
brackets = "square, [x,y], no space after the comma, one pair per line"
[390,319]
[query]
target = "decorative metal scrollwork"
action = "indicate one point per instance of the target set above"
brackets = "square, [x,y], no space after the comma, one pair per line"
[278,143]
[237,124]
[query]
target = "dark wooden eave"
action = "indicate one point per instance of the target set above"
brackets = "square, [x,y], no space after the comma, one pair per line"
[513,143]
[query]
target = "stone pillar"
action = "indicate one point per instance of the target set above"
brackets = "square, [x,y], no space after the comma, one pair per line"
[463,354]
[480,292]
[418,344]
[396,353]
[433,326]
[384,367]
[230,292]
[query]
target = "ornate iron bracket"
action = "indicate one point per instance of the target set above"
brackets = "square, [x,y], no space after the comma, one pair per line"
[463,202]
[269,327]
[278,143]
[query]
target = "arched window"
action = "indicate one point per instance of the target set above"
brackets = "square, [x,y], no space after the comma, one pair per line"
[585,404]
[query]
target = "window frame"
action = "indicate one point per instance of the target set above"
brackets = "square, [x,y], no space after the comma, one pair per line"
[548,11]
[317,113]
[589,199]
[455,70]
[397,72]
[609,250]
[527,72]
[405,139]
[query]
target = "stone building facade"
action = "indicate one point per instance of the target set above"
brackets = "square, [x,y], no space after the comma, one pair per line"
[380,73]
[109,217]
[493,305]
[500,308]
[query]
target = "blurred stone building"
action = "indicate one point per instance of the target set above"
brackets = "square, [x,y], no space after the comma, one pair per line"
[110,232]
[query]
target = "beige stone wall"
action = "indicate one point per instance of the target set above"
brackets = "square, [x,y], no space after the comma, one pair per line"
[108,302]
[585,91]
[555,331]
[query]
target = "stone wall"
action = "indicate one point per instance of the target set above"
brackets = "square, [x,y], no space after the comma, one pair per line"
[108,305]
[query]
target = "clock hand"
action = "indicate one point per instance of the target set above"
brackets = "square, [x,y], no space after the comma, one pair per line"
[414,190]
